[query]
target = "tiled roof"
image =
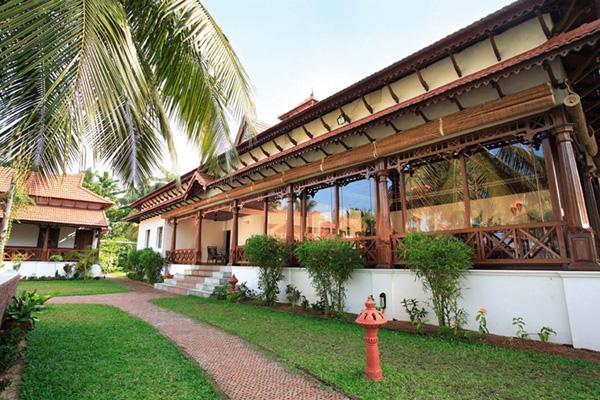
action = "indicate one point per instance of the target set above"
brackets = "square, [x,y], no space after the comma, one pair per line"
[66,187]
[62,215]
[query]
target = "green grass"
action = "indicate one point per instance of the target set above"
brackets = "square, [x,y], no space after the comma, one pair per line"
[72,287]
[98,352]
[414,367]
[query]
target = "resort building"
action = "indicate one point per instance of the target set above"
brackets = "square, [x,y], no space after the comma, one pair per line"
[487,134]
[63,218]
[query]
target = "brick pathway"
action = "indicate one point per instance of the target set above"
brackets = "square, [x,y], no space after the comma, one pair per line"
[239,371]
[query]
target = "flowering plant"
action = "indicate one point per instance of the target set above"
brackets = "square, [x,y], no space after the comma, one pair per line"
[481,317]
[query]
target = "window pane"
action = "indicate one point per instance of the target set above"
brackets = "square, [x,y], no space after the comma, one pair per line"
[434,197]
[318,214]
[507,186]
[277,219]
[357,209]
[250,220]
[395,201]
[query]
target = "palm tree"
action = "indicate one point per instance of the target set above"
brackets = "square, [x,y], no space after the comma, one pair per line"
[113,77]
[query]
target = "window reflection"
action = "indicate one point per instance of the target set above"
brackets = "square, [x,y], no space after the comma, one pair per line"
[357,209]
[507,186]
[434,197]
[319,207]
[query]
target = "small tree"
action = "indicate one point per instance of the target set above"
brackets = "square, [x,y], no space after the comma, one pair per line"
[270,256]
[439,261]
[329,263]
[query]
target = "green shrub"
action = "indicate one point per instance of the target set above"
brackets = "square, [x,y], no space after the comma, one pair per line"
[85,259]
[56,257]
[329,263]
[292,294]
[9,351]
[134,268]
[151,263]
[270,256]
[439,261]
[23,308]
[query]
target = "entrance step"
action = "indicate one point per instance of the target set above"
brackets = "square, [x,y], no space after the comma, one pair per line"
[202,280]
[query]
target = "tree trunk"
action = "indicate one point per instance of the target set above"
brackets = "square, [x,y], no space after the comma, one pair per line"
[6,217]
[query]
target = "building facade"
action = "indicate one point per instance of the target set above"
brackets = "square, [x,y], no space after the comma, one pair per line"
[487,134]
[64,218]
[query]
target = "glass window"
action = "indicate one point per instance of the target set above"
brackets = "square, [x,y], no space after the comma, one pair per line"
[147,239]
[508,185]
[395,202]
[357,209]
[319,208]
[250,220]
[159,237]
[434,197]
[277,219]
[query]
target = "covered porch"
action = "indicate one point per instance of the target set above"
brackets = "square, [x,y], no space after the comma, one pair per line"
[30,241]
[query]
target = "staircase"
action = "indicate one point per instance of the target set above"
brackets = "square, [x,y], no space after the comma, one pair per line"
[201,280]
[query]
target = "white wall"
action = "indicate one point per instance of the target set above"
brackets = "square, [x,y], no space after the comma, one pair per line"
[568,302]
[66,237]
[23,235]
[213,234]
[153,224]
[45,269]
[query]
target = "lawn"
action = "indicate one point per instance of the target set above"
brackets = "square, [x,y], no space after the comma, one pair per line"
[414,367]
[98,352]
[72,287]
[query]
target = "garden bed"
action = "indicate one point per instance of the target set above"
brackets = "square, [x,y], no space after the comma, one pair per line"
[414,366]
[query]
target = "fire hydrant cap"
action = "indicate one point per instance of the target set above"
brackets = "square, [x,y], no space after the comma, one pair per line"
[233,280]
[370,316]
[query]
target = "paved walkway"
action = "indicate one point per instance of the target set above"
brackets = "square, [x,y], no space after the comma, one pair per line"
[239,371]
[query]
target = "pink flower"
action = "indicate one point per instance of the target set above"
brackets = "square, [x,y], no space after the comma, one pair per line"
[483,310]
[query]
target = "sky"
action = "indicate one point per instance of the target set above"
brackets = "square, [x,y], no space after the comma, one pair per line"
[292,47]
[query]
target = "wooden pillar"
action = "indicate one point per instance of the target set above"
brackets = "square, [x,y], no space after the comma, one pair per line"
[234,233]
[591,203]
[198,238]
[402,194]
[552,178]
[384,224]
[173,239]
[377,216]
[465,187]
[45,244]
[303,212]
[580,237]
[289,234]
[335,211]
[266,217]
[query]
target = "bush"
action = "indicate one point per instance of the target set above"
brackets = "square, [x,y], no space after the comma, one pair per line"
[151,263]
[329,263]
[270,256]
[439,261]
[85,259]
[56,257]
[23,308]
[292,294]
[133,266]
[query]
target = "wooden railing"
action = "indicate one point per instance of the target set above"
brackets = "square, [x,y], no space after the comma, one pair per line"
[239,256]
[367,246]
[540,243]
[39,254]
[183,256]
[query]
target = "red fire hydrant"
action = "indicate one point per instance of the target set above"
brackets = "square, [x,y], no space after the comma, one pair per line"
[232,283]
[372,320]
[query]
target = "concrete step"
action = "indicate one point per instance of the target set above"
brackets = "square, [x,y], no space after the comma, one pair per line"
[188,278]
[171,289]
[189,285]
[200,292]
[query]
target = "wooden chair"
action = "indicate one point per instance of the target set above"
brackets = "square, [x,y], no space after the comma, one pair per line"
[214,256]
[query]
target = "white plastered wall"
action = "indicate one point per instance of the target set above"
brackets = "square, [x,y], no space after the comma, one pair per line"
[153,224]
[23,235]
[568,302]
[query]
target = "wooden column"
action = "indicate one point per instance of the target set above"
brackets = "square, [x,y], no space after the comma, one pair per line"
[335,211]
[303,212]
[591,203]
[581,240]
[234,233]
[173,239]
[465,186]
[198,238]
[377,216]
[385,229]
[266,217]
[402,194]
[45,244]
[289,234]
[552,178]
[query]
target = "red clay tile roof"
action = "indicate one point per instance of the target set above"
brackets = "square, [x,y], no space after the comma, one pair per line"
[62,215]
[66,187]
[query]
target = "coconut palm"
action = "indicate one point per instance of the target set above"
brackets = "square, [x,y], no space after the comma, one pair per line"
[114,77]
